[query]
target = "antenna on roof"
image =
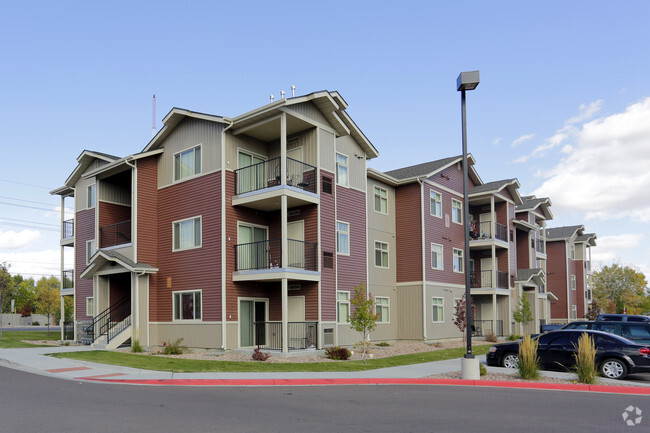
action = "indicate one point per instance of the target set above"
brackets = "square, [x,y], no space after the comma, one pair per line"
[281,94]
[153,116]
[293,91]
[271,98]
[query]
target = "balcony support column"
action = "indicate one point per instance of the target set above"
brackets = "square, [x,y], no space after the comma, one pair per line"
[283,149]
[285,315]
[494,312]
[284,265]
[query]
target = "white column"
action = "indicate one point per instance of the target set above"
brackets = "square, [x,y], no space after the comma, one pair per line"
[283,149]
[285,313]
[284,264]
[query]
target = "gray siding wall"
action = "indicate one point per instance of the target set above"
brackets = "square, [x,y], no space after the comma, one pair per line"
[111,193]
[190,133]
[356,161]
[308,109]
[81,193]
[196,335]
[409,312]
[327,150]
[306,140]
[447,329]
[236,142]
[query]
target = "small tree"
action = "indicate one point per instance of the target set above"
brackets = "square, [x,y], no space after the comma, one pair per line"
[364,318]
[47,298]
[593,311]
[460,316]
[523,314]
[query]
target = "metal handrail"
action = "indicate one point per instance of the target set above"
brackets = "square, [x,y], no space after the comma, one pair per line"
[115,234]
[113,320]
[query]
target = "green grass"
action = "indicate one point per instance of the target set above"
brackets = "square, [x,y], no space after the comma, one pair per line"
[11,339]
[160,363]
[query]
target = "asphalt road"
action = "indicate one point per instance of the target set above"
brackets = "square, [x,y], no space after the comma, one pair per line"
[33,403]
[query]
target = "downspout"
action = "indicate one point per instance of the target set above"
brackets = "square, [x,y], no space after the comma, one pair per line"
[223,235]
[424,277]
[135,305]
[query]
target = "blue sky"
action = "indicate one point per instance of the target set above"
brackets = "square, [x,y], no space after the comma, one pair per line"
[563,104]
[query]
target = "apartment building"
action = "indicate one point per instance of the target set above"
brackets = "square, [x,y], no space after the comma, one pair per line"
[569,268]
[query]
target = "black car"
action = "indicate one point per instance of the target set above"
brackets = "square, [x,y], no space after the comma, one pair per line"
[637,332]
[616,357]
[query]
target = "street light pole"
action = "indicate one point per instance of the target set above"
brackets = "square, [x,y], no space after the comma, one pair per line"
[470,369]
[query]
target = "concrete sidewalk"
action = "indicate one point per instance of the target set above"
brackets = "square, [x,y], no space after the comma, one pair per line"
[35,360]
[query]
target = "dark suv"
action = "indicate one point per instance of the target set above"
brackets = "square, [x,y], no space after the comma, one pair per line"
[638,332]
[622,318]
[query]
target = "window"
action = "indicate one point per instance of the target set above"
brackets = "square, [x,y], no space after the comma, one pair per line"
[327,185]
[187,163]
[572,252]
[436,204]
[381,254]
[438,312]
[187,305]
[573,282]
[456,211]
[187,234]
[458,260]
[381,200]
[342,307]
[436,256]
[328,260]
[90,250]
[90,306]
[574,311]
[91,197]
[342,238]
[341,169]
[382,308]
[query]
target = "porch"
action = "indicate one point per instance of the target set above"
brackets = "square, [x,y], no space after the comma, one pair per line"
[268,335]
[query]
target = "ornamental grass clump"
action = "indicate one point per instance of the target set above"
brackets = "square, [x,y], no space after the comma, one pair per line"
[528,360]
[585,358]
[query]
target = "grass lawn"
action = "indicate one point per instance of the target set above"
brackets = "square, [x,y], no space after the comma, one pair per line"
[161,363]
[11,339]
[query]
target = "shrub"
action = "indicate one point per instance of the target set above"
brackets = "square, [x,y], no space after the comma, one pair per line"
[491,337]
[35,323]
[174,348]
[258,355]
[382,344]
[338,353]
[513,337]
[482,369]
[585,357]
[136,348]
[528,359]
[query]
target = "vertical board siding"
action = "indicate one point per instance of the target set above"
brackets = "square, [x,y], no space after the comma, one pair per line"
[409,312]
[306,140]
[409,233]
[347,146]
[351,208]
[235,142]
[328,244]
[193,269]
[85,222]
[308,109]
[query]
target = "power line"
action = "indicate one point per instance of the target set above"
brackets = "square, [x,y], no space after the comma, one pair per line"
[26,201]
[53,209]
[26,184]
[29,226]
[31,222]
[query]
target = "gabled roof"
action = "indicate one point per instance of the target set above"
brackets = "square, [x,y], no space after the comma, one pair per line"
[587,238]
[512,185]
[535,275]
[103,257]
[84,160]
[563,233]
[532,203]
[424,170]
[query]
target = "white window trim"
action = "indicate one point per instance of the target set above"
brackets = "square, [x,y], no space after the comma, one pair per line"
[347,166]
[183,179]
[346,302]
[574,311]
[89,256]
[91,300]
[380,198]
[337,238]
[387,255]
[431,194]
[200,245]
[574,282]
[462,261]
[439,306]
[174,293]
[387,306]
[94,188]
[245,152]
[442,255]
[461,211]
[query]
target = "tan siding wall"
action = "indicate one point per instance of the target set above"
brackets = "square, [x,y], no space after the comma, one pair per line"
[308,109]
[190,133]
[446,330]
[81,193]
[409,312]
[386,331]
[327,149]
[244,142]
[193,335]
[356,166]
[306,140]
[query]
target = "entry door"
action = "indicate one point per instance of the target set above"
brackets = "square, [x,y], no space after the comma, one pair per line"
[252,323]
[252,248]
[485,225]
[294,169]
[296,237]
[252,178]
[296,309]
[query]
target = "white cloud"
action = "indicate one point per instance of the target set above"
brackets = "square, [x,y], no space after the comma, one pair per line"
[38,263]
[606,173]
[11,240]
[586,112]
[522,139]
[496,141]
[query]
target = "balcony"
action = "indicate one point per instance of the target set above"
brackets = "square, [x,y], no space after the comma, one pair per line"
[262,260]
[483,280]
[67,232]
[67,278]
[301,335]
[115,234]
[259,185]
[484,235]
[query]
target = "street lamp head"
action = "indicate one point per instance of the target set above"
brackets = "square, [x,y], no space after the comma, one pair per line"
[467,80]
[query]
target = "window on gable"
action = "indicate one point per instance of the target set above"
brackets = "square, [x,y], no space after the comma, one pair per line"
[187,163]
[435,204]
[381,200]
[381,254]
[436,256]
[342,238]
[91,196]
[342,170]
[458,260]
[187,234]
[456,211]
[187,305]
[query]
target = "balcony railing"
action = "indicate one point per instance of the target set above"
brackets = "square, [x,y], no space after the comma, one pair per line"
[301,335]
[481,328]
[115,234]
[68,228]
[266,174]
[68,278]
[485,232]
[268,255]
[483,280]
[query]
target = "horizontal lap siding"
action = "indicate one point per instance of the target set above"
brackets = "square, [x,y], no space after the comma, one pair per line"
[120,287]
[85,222]
[351,208]
[328,244]
[409,233]
[147,217]
[556,277]
[193,269]
[111,213]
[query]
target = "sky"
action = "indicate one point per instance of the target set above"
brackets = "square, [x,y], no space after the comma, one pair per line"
[563,104]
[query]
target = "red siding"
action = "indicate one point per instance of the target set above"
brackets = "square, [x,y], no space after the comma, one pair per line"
[147,241]
[328,244]
[351,208]
[85,222]
[409,232]
[557,277]
[523,249]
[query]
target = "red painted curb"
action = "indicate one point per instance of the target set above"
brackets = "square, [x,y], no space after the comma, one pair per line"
[375,381]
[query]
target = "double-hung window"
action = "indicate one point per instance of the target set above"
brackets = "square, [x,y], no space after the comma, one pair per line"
[187,163]
[187,305]
[458,260]
[91,247]
[381,200]
[382,309]
[436,256]
[90,306]
[187,234]
[435,204]
[456,211]
[342,170]
[438,310]
[342,307]
[342,238]
[572,252]
[573,282]
[381,254]
[91,196]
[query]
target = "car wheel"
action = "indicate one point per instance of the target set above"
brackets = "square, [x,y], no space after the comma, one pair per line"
[613,368]
[510,360]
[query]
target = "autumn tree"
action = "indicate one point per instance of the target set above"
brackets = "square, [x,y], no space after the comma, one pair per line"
[47,297]
[620,287]
[460,316]
[364,318]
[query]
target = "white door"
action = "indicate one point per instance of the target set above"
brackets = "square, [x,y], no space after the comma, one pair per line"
[296,237]
[485,225]
[296,309]
[253,178]
[486,273]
